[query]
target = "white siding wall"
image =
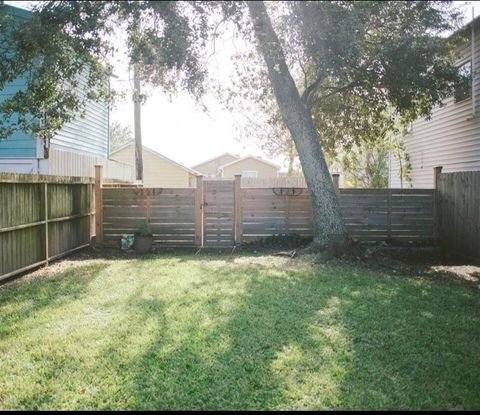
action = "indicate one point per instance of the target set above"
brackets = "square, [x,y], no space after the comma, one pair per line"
[393,173]
[66,163]
[451,138]
[87,135]
[19,165]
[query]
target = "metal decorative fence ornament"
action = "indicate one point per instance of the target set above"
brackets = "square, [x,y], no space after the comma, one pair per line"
[146,191]
[287,191]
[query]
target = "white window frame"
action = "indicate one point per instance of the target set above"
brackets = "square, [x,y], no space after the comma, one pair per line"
[248,173]
[459,65]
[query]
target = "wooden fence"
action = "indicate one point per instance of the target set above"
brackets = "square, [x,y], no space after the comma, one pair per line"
[169,213]
[42,218]
[224,214]
[458,211]
[45,217]
[370,215]
[262,182]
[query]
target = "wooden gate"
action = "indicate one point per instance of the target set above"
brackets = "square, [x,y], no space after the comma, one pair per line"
[218,213]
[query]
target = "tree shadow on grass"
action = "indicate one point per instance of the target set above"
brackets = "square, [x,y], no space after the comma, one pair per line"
[57,357]
[254,335]
[270,338]
[22,299]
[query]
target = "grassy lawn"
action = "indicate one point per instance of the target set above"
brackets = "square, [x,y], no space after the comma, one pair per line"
[237,332]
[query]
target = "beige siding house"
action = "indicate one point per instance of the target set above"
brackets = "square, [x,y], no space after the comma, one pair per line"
[158,170]
[451,138]
[249,166]
[227,165]
[211,168]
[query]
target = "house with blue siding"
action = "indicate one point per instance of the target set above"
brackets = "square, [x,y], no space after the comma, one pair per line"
[73,151]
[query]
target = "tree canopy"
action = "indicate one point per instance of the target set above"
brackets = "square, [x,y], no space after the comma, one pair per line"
[364,69]
[119,135]
[65,41]
[354,59]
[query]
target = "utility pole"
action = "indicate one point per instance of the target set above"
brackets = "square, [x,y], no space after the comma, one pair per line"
[138,123]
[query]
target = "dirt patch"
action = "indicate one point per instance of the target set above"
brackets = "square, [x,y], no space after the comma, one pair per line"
[57,268]
[416,261]
[408,262]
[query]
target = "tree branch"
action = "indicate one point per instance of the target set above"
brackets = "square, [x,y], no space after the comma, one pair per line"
[340,89]
[310,90]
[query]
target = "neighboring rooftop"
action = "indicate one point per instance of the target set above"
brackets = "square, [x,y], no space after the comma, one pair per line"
[192,171]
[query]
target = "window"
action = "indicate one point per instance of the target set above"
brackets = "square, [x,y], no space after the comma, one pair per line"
[249,173]
[463,90]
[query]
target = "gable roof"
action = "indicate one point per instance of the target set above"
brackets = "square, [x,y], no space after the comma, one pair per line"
[250,157]
[214,158]
[157,154]
[17,11]
[464,27]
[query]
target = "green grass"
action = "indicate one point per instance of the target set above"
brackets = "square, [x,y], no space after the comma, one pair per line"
[241,332]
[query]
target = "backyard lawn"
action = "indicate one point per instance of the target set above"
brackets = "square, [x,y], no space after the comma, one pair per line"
[248,331]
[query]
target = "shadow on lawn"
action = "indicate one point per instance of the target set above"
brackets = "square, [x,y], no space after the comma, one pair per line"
[23,298]
[311,340]
[260,336]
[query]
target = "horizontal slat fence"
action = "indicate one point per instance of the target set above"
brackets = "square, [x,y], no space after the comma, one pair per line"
[458,206]
[223,213]
[370,215]
[170,214]
[266,214]
[394,215]
[218,213]
[41,219]
[262,182]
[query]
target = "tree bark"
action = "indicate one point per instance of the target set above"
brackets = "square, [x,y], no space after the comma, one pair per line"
[328,227]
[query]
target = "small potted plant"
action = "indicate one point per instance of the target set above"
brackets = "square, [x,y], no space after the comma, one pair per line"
[143,239]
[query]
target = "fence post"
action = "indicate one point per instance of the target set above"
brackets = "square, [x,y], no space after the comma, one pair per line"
[91,188]
[389,214]
[98,207]
[336,181]
[436,203]
[45,196]
[199,212]
[238,210]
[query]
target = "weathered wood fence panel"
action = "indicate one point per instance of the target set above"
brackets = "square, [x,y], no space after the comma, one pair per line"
[388,214]
[370,215]
[266,213]
[168,213]
[269,182]
[458,216]
[221,214]
[218,213]
[42,218]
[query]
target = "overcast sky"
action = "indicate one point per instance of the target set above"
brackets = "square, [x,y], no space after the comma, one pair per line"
[181,130]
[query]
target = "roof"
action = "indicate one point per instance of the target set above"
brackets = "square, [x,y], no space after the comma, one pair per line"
[466,26]
[17,11]
[250,157]
[214,158]
[155,153]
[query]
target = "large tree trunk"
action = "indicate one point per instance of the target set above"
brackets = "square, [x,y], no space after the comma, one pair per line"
[328,227]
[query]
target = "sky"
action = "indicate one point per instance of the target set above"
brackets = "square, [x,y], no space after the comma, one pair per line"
[180,129]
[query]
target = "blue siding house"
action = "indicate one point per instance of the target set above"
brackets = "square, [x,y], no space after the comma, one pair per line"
[20,144]
[74,150]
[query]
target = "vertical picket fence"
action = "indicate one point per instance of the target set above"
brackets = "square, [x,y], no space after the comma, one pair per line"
[41,219]
[458,211]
